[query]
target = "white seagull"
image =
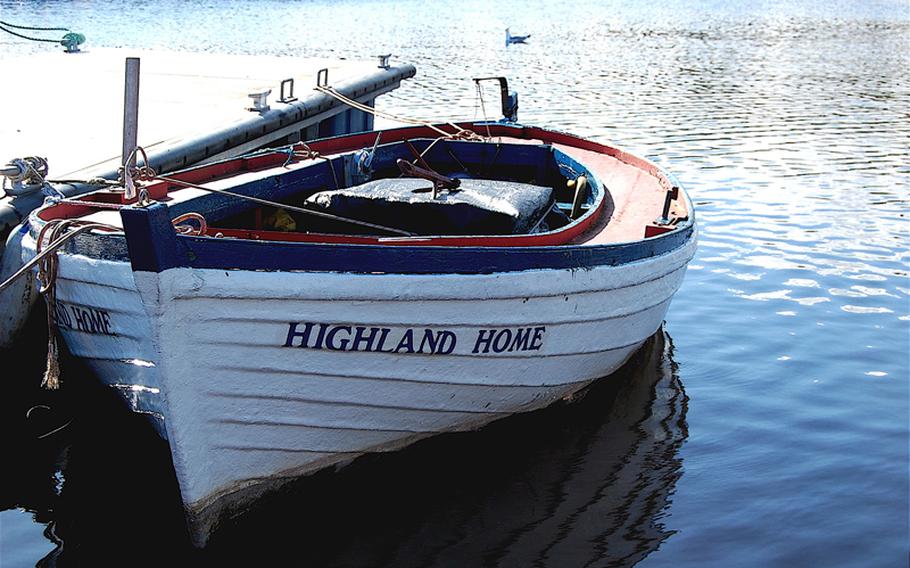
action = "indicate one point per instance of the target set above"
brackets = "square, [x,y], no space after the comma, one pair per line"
[515,39]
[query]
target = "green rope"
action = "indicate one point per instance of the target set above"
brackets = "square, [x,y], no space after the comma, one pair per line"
[9,25]
[28,37]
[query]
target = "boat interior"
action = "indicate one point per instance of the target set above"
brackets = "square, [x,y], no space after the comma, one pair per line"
[524,186]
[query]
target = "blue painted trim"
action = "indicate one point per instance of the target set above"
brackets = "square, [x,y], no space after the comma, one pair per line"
[150,238]
[365,259]
[154,247]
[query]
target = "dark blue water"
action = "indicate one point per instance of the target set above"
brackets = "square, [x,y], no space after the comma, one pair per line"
[767,427]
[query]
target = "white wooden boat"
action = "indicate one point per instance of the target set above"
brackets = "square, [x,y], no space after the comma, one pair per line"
[266,342]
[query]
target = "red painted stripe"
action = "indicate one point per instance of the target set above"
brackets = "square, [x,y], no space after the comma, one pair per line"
[570,234]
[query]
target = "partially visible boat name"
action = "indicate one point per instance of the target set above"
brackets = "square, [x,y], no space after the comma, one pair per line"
[335,337]
[79,318]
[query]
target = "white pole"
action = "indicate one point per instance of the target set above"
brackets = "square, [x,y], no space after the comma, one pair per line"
[130,121]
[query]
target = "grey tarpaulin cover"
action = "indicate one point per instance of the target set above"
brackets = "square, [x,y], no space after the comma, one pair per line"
[477,207]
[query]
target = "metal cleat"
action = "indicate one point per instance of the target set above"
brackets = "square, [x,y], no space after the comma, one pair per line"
[260,100]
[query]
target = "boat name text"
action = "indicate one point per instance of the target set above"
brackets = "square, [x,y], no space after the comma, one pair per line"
[88,320]
[334,337]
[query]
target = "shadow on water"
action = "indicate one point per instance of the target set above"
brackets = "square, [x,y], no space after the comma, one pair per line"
[95,473]
[585,483]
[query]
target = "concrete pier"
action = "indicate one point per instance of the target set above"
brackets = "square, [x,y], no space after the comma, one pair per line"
[193,108]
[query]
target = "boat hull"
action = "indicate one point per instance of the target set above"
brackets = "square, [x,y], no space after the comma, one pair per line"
[255,377]
[262,355]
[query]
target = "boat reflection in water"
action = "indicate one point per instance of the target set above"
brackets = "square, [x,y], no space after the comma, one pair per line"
[584,483]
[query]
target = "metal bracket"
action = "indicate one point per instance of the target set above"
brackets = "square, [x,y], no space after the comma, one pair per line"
[260,100]
[672,194]
[322,78]
[439,181]
[384,60]
[509,100]
[289,97]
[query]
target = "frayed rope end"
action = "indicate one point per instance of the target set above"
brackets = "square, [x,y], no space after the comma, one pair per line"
[51,379]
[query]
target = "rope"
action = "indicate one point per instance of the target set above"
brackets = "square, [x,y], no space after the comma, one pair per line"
[301,151]
[28,37]
[129,172]
[460,133]
[370,110]
[483,107]
[143,172]
[34,167]
[46,250]
[28,416]
[33,28]
[32,170]
[71,40]
[90,181]
[93,204]
[52,236]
